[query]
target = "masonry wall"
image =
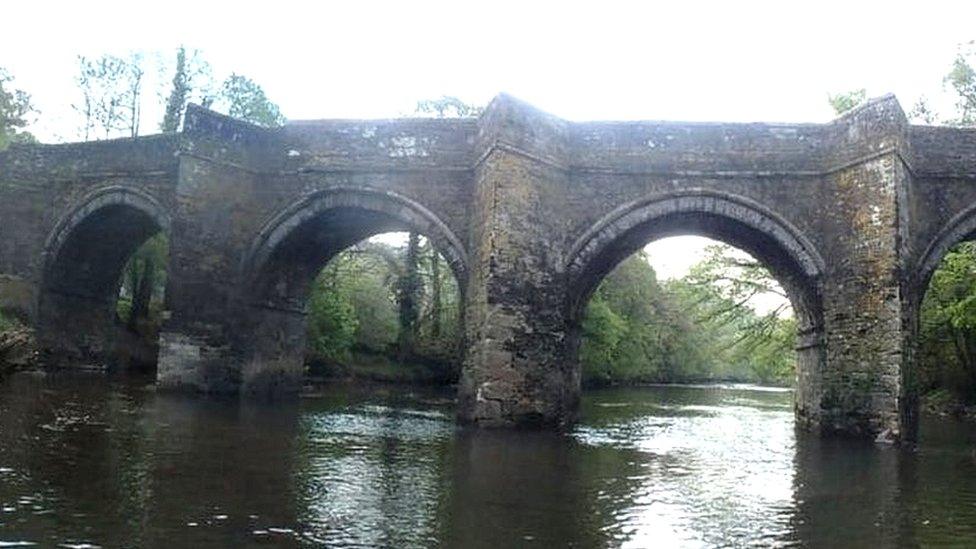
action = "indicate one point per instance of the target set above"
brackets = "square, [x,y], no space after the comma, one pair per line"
[226,332]
[41,184]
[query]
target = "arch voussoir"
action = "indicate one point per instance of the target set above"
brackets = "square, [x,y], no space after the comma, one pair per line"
[410,213]
[597,249]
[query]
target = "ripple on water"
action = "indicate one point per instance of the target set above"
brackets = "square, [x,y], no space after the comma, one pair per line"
[726,464]
[662,466]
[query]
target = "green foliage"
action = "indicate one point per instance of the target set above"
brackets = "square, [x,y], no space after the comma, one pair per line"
[365,278]
[768,354]
[6,323]
[722,291]
[843,102]
[332,320]
[447,106]
[700,327]
[962,80]
[244,99]
[176,103]
[922,113]
[635,331]
[15,111]
[192,80]
[143,285]
[357,317]
[947,327]
[408,297]
[603,330]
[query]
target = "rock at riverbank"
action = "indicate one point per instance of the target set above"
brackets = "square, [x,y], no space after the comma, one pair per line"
[947,404]
[18,349]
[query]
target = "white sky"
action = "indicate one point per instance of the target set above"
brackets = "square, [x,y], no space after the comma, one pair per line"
[682,60]
[687,60]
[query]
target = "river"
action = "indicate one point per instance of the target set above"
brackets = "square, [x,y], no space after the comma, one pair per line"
[88,462]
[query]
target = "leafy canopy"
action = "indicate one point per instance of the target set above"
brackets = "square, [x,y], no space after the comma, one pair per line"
[15,112]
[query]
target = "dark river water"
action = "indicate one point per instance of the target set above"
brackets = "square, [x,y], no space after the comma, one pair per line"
[87,462]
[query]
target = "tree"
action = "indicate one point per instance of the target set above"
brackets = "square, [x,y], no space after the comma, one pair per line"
[373,277]
[244,99]
[143,284]
[436,289]
[332,319]
[633,331]
[447,106]
[843,102]
[408,298]
[176,103]
[962,80]
[947,328]
[111,95]
[15,112]
[922,113]
[192,78]
[725,286]
[699,327]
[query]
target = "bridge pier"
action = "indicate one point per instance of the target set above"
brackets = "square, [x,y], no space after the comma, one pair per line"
[262,354]
[519,368]
[867,386]
[274,352]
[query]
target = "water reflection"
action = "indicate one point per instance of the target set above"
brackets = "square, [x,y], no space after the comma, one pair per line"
[711,457]
[113,464]
[510,489]
[373,473]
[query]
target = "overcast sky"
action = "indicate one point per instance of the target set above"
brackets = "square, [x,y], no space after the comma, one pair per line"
[687,60]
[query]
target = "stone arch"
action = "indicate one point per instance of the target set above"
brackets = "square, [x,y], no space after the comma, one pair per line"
[82,263]
[734,219]
[959,228]
[290,250]
[356,214]
[741,222]
[117,197]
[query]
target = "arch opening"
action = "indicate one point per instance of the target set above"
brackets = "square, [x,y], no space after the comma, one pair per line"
[86,260]
[688,309]
[777,246]
[385,309]
[734,220]
[294,281]
[942,308]
[941,311]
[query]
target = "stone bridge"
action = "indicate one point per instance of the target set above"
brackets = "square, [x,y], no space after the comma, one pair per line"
[530,210]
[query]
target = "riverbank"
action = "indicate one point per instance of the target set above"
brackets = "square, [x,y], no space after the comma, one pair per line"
[380,368]
[945,403]
[717,382]
[18,349]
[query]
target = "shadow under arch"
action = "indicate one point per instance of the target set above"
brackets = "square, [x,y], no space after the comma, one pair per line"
[290,250]
[739,221]
[82,264]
